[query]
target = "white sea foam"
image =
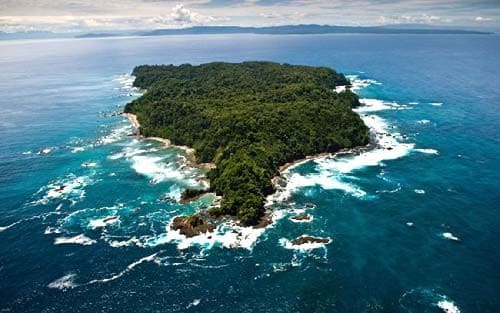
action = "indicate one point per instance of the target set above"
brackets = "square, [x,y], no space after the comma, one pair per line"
[419,191]
[410,224]
[31,218]
[450,236]
[155,168]
[227,234]
[428,151]
[325,179]
[446,305]
[89,164]
[77,149]
[134,241]
[374,105]
[129,267]
[26,152]
[195,302]
[388,149]
[423,122]
[130,151]
[52,230]
[391,190]
[71,187]
[65,282]
[437,104]
[287,244]
[103,222]
[78,239]
[126,81]
[429,298]
[3,228]
[44,151]
[359,83]
[118,133]
[94,218]
[333,170]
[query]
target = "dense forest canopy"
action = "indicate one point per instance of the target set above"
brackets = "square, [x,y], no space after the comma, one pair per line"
[247,118]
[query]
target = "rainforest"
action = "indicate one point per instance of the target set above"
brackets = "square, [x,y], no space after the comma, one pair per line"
[248,119]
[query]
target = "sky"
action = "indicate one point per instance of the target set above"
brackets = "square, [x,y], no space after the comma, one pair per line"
[114,15]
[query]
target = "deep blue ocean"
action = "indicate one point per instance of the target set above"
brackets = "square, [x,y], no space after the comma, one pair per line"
[85,207]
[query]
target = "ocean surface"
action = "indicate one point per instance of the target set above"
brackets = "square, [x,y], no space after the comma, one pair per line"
[414,225]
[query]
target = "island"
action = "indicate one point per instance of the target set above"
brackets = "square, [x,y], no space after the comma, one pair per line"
[247,119]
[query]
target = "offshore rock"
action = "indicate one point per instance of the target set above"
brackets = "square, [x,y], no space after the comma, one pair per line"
[192,225]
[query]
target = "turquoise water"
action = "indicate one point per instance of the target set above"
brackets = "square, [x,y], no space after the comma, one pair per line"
[413,228]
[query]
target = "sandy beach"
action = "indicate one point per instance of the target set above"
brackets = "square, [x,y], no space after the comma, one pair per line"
[189,151]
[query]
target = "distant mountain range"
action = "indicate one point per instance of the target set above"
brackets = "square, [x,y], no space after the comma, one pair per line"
[97,35]
[270,30]
[306,29]
[32,35]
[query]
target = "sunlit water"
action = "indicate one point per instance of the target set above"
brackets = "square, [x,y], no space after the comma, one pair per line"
[414,224]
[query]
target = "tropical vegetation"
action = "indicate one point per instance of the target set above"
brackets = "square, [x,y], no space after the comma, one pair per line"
[248,119]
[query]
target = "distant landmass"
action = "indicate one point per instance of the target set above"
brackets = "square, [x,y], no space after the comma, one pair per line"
[308,29]
[270,30]
[97,35]
[32,35]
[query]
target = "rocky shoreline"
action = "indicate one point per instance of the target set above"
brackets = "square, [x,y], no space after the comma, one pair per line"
[202,223]
[356,150]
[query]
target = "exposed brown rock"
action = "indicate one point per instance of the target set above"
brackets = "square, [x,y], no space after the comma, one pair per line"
[192,225]
[309,239]
[264,221]
[301,217]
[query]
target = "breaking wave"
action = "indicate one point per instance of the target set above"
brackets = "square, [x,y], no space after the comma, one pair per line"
[332,170]
[78,239]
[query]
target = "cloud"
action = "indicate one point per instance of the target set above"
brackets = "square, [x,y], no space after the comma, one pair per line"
[287,16]
[179,16]
[412,19]
[483,19]
[185,16]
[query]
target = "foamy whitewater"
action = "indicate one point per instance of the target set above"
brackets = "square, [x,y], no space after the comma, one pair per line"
[332,169]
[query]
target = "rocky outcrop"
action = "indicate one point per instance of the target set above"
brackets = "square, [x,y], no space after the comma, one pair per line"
[192,225]
[301,217]
[309,239]
[264,221]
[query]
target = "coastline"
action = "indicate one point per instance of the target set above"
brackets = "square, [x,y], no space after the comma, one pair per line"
[271,216]
[359,149]
[191,158]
